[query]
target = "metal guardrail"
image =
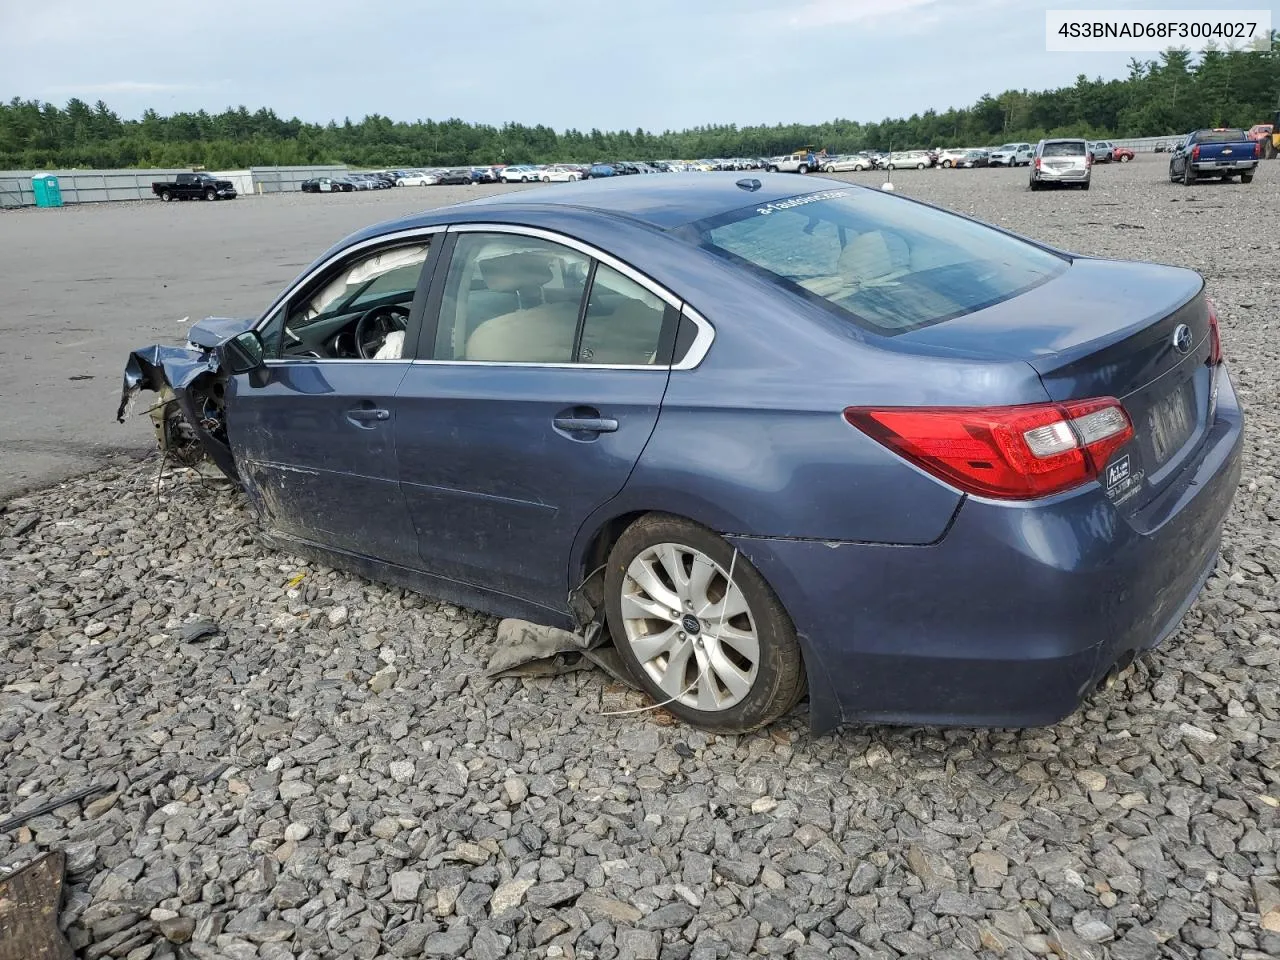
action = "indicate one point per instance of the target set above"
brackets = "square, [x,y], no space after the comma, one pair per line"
[100,186]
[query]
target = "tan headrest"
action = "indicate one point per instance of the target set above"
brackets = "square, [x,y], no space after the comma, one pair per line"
[515,271]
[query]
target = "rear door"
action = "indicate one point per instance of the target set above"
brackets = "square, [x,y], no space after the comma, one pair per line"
[316,441]
[541,373]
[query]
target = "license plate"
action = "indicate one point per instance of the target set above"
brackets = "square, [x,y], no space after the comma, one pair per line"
[1171,421]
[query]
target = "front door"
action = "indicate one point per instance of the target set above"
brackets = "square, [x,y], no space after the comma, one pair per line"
[315,443]
[544,376]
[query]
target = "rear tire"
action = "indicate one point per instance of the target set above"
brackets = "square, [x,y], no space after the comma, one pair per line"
[1034,184]
[1085,185]
[1188,175]
[166,196]
[769,673]
[1246,177]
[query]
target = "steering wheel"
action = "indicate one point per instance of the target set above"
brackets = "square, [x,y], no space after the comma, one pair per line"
[374,325]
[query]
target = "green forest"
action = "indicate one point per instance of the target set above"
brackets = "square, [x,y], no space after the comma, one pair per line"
[1175,93]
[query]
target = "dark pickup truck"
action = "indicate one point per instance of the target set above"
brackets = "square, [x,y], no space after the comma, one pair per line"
[1221,152]
[192,186]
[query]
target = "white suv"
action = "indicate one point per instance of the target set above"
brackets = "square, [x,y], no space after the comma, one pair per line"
[1013,155]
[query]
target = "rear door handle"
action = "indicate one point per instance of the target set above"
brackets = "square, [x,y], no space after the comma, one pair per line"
[368,414]
[586,424]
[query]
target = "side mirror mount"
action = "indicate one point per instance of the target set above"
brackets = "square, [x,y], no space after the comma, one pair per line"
[243,353]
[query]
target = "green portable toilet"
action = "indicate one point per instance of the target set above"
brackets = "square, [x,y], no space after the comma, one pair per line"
[47,191]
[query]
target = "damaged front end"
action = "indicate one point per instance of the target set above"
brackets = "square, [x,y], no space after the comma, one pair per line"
[189,416]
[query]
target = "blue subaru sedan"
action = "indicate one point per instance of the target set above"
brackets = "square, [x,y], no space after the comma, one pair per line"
[770,437]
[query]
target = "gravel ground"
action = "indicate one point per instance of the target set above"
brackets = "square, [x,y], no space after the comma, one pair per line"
[331,776]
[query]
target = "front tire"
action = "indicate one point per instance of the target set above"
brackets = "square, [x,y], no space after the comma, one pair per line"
[741,668]
[804,168]
[211,194]
[946,163]
[919,166]
[829,168]
[1125,158]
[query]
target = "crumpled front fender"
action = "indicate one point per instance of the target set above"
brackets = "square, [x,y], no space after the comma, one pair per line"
[191,378]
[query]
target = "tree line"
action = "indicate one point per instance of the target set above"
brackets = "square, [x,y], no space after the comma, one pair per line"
[1174,93]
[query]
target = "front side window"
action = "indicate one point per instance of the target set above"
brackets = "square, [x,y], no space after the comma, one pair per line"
[357,310]
[886,263]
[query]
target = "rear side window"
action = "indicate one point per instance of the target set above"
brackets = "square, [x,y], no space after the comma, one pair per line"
[1068,148]
[886,263]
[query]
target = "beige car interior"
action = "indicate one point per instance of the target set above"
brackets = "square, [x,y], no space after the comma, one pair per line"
[522,307]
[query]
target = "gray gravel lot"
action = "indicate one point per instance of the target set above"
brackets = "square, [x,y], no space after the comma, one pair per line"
[331,776]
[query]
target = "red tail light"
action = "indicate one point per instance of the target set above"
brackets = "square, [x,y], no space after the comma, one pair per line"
[1037,163]
[1195,152]
[1257,148]
[1215,336]
[1009,453]
[1088,159]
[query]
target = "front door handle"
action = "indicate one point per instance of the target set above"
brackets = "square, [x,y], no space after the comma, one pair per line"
[363,415]
[586,424]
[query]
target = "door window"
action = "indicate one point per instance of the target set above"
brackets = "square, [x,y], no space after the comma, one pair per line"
[623,324]
[358,310]
[511,299]
[516,299]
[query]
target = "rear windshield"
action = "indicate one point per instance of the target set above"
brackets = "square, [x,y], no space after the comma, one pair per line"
[886,263]
[1220,136]
[1069,148]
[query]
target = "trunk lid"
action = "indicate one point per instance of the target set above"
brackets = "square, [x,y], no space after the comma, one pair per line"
[1109,328]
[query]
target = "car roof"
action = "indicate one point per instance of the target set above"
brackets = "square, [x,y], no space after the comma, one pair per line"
[664,201]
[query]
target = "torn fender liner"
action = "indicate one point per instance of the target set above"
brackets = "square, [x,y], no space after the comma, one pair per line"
[525,649]
[30,898]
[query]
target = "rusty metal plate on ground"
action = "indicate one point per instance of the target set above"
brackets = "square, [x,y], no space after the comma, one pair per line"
[30,898]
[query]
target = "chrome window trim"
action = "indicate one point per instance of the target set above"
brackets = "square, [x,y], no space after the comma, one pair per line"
[281,361]
[701,341]
[693,357]
[386,238]
[652,367]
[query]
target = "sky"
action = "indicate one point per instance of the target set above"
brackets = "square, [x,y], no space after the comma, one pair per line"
[657,64]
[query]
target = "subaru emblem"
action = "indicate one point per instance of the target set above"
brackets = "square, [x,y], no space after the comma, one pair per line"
[1182,338]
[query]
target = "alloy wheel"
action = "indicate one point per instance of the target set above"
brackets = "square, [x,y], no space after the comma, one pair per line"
[689,627]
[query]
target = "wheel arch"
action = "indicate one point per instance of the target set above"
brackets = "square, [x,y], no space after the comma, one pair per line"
[591,551]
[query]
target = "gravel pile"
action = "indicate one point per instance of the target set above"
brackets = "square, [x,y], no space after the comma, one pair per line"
[328,774]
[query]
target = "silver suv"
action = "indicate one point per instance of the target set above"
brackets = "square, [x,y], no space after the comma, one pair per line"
[1067,160]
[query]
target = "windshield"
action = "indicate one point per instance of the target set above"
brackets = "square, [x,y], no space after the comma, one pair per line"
[887,263]
[1066,148]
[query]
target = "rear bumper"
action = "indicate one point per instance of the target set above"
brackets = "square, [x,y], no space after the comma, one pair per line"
[1070,176]
[1013,617]
[1210,166]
